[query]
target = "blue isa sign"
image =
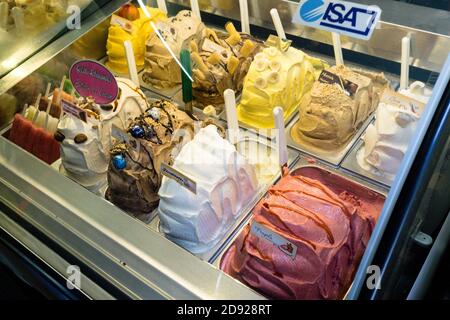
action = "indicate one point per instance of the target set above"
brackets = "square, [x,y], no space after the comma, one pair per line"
[347,18]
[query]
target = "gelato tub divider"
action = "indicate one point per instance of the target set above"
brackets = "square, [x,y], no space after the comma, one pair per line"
[334,157]
[351,165]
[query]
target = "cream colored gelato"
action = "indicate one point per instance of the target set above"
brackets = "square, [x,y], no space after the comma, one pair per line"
[386,141]
[330,114]
[161,69]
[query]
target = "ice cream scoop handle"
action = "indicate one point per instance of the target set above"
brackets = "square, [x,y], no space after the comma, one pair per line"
[281,136]
[196,9]
[337,48]
[277,23]
[404,72]
[132,70]
[162,5]
[245,23]
[232,121]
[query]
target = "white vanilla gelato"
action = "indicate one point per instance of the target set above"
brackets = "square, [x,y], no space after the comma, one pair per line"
[86,160]
[386,140]
[225,184]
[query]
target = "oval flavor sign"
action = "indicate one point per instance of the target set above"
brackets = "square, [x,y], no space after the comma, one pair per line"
[92,79]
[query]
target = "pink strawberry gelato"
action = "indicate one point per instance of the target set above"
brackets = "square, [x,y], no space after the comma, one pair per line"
[327,218]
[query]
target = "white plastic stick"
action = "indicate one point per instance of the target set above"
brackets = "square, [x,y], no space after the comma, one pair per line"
[404,71]
[47,91]
[3,15]
[47,111]
[245,22]
[161,5]
[61,88]
[281,136]
[337,48]
[155,29]
[132,69]
[230,107]
[36,106]
[277,23]
[19,20]
[24,111]
[196,9]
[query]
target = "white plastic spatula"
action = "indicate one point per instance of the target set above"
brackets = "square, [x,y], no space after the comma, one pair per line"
[36,105]
[47,115]
[161,5]
[278,115]
[132,70]
[337,47]
[245,22]
[404,71]
[4,10]
[277,23]
[196,9]
[232,121]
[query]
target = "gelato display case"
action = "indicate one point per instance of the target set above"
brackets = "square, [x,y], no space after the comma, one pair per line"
[102,197]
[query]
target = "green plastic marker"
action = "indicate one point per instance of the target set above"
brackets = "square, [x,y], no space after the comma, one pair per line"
[186,83]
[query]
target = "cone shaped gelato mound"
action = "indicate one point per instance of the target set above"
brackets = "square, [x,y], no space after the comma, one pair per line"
[85,145]
[161,69]
[306,238]
[129,24]
[276,78]
[225,184]
[221,61]
[386,140]
[134,174]
[337,105]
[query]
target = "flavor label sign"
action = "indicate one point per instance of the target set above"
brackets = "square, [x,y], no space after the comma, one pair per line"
[349,87]
[73,110]
[265,233]
[404,102]
[183,180]
[344,17]
[122,22]
[92,79]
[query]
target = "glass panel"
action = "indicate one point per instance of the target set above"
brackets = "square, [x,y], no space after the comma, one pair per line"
[27,25]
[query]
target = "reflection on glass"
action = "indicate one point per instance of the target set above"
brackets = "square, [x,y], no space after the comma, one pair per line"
[26,24]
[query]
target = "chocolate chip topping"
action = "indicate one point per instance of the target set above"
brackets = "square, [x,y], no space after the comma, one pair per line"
[59,136]
[80,138]
[107,107]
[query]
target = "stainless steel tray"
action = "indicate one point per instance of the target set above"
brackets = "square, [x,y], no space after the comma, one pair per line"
[350,163]
[333,157]
[245,212]
[301,163]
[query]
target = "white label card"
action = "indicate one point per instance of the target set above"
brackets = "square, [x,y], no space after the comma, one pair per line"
[121,22]
[73,110]
[281,243]
[177,176]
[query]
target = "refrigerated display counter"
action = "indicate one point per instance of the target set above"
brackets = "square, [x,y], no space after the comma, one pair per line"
[53,226]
